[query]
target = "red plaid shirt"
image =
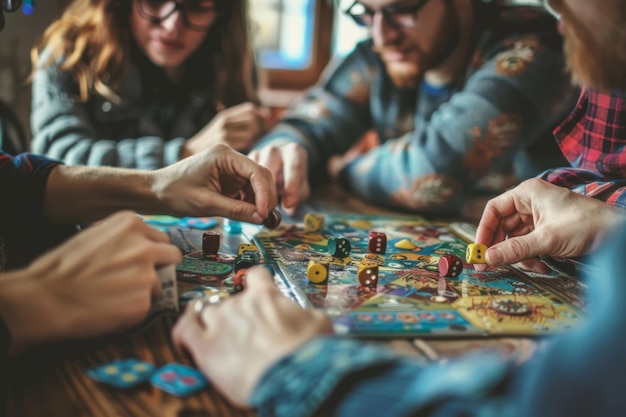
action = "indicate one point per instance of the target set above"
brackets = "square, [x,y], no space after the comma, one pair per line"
[593,139]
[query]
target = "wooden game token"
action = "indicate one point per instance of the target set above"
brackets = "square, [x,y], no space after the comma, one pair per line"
[510,307]
[405,244]
[273,220]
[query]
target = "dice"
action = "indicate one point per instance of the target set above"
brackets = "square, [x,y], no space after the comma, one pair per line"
[317,272]
[339,247]
[247,247]
[475,253]
[313,222]
[247,260]
[210,243]
[377,243]
[367,275]
[450,266]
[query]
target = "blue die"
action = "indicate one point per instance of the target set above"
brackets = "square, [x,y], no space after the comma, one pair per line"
[124,373]
[179,379]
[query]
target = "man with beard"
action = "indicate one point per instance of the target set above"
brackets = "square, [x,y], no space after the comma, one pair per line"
[593,137]
[454,89]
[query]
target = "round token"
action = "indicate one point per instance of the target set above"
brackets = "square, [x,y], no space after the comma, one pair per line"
[510,307]
[273,220]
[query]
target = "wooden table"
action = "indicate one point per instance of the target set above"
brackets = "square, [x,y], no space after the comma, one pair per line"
[52,380]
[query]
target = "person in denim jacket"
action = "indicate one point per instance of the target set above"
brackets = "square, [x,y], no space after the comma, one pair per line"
[455,91]
[144,83]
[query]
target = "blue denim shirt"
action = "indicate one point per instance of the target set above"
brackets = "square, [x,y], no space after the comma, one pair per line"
[576,375]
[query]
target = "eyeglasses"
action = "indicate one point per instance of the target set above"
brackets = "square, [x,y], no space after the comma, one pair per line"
[196,14]
[397,15]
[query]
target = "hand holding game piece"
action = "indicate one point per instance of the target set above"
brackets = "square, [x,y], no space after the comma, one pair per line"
[218,181]
[475,253]
[97,282]
[529,221]
[250,331]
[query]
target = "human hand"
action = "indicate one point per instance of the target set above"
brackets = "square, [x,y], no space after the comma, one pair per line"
[238,126]
[538,218]
[235,342]
[99,281]
[217,182]
[288,163]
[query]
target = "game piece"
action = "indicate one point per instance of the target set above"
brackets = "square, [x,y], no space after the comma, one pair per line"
[179,380]
[313,222]
[339,247]
[450,265]
[273,221]
[247,247]
[377,242]
[231,226]
[247,260]
[123,373]
[239,282]
[317,272]
[475,253]
[210,243]
[510,307]
[368,275]
[405,244]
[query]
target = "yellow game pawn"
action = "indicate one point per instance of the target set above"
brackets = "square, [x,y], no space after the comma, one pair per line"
[475,253]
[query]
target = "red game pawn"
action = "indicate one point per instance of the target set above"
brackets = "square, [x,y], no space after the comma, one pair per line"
[450,266]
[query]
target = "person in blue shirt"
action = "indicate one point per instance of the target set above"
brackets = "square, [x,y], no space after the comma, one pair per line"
[263,351]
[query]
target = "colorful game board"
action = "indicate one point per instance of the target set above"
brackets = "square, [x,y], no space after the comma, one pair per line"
[411,297]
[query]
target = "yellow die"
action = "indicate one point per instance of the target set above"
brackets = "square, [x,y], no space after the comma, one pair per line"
[317,272]
[247,247]
[475,253]
[313,222]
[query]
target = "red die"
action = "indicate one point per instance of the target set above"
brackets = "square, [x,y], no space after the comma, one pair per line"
[450,266]
[377,242]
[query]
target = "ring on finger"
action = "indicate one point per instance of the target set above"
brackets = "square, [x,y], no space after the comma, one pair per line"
[200,305]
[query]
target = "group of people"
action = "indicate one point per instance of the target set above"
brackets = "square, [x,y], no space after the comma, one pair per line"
[150,105]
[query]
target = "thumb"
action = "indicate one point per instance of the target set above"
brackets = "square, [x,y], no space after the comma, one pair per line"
[259,277]
[515,249]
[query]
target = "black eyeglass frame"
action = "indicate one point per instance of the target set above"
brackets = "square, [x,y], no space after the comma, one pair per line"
[386,11]
[179,5]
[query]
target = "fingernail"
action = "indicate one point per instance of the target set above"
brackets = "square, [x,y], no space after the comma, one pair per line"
[256,218]
[494,256]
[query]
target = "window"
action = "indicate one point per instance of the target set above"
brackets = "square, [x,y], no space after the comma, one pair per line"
[293,40]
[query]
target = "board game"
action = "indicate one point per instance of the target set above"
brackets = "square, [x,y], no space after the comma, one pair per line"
[411,297]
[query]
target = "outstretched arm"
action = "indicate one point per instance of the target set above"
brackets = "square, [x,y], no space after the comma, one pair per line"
[218,181]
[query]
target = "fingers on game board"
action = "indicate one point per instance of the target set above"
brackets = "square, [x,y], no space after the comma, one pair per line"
[317,272]
[450,265]
[475,253]
[210,243]
[377,243]
[314,222]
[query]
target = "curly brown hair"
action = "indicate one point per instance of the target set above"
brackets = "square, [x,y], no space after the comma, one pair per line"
[92,39]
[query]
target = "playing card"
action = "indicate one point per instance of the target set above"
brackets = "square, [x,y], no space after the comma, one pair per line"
[168,300]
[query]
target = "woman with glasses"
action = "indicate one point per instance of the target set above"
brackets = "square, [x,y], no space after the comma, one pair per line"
[144,83]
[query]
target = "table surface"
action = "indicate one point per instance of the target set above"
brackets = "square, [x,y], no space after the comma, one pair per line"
[52,380]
